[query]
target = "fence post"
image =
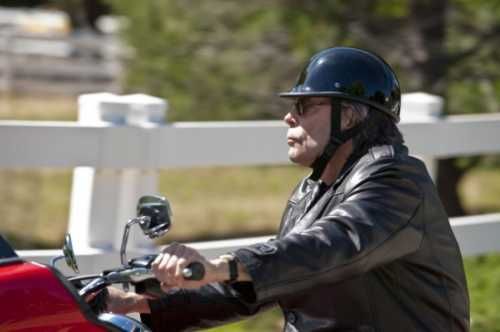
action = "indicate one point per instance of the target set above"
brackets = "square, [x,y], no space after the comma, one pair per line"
[422,107]
[103,200]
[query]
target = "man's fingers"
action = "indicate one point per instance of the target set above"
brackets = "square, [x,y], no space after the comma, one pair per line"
[163,262]
[157,260]
[90,297]
[168,267]
[178,257]
[158,266]
[181,264]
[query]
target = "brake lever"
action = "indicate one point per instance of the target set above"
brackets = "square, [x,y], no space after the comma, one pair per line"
[93,286]
[128,275]
[113,277]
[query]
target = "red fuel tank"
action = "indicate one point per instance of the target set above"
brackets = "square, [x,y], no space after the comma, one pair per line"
[33,298]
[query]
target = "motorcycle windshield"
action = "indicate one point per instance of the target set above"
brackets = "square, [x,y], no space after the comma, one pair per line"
[6,250]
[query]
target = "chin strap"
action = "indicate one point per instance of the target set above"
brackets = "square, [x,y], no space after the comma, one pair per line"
[337,138]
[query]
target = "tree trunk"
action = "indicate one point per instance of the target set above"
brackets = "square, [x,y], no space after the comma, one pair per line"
[448,178]
[429,20]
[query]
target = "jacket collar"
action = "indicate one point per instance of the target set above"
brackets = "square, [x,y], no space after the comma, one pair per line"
[354,158]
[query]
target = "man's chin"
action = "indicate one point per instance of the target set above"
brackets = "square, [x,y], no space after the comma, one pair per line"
[297,160]
[292,157]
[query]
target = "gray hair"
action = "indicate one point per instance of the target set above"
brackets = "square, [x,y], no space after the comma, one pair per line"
[378,128]
[353,113]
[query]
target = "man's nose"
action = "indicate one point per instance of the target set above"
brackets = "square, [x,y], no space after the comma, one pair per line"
[290,120]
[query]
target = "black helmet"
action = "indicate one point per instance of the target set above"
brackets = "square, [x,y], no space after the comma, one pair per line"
[353,74]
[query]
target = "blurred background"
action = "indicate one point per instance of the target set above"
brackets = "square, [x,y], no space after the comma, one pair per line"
[227,60]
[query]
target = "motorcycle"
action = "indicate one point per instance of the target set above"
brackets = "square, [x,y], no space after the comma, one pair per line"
[38,297]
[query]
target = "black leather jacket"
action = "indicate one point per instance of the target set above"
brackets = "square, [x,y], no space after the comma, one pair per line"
[373,252]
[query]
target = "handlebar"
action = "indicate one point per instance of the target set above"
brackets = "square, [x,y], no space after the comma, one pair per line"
[138,271]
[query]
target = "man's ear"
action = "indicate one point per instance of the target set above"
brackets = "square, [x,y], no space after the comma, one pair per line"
[348,118]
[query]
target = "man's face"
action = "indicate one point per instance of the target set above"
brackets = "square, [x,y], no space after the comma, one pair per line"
[308,131]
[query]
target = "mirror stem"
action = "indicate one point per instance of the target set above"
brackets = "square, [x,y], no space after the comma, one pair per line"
[54,260]
[123,249]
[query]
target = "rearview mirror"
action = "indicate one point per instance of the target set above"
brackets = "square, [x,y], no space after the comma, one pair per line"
[157,213]
[69,254]
[153,216]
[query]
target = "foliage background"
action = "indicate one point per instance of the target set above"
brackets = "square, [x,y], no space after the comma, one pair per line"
[228,60]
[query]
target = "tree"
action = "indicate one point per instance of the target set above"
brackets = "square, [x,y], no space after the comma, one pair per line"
[227,60]
[210,59]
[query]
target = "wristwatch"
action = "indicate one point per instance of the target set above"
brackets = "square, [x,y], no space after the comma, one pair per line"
[233,267]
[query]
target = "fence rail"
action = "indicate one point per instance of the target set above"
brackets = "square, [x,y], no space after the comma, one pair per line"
[475,235]
[67,144]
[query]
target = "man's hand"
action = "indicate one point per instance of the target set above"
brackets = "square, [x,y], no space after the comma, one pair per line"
[120,302]
[169,264]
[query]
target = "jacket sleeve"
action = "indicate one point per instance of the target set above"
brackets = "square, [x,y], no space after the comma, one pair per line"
[375,224]
[209,306]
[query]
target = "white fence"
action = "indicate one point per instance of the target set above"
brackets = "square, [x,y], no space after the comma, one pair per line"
[120,142]
[59,65]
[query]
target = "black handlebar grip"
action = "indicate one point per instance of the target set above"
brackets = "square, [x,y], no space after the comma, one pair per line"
[194,271]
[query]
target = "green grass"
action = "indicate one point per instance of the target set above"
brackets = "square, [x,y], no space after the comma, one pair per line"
[480,191]
[227,202]
[483,277]
[269,321]
[207,203]
[36,108]
[34,206]
[212,203]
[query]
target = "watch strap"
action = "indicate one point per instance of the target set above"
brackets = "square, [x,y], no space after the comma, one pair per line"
[233,267]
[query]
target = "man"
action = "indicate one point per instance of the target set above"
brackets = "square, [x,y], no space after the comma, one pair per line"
[364,243]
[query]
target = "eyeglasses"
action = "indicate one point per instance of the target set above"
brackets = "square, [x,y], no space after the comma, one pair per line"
[302,108]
